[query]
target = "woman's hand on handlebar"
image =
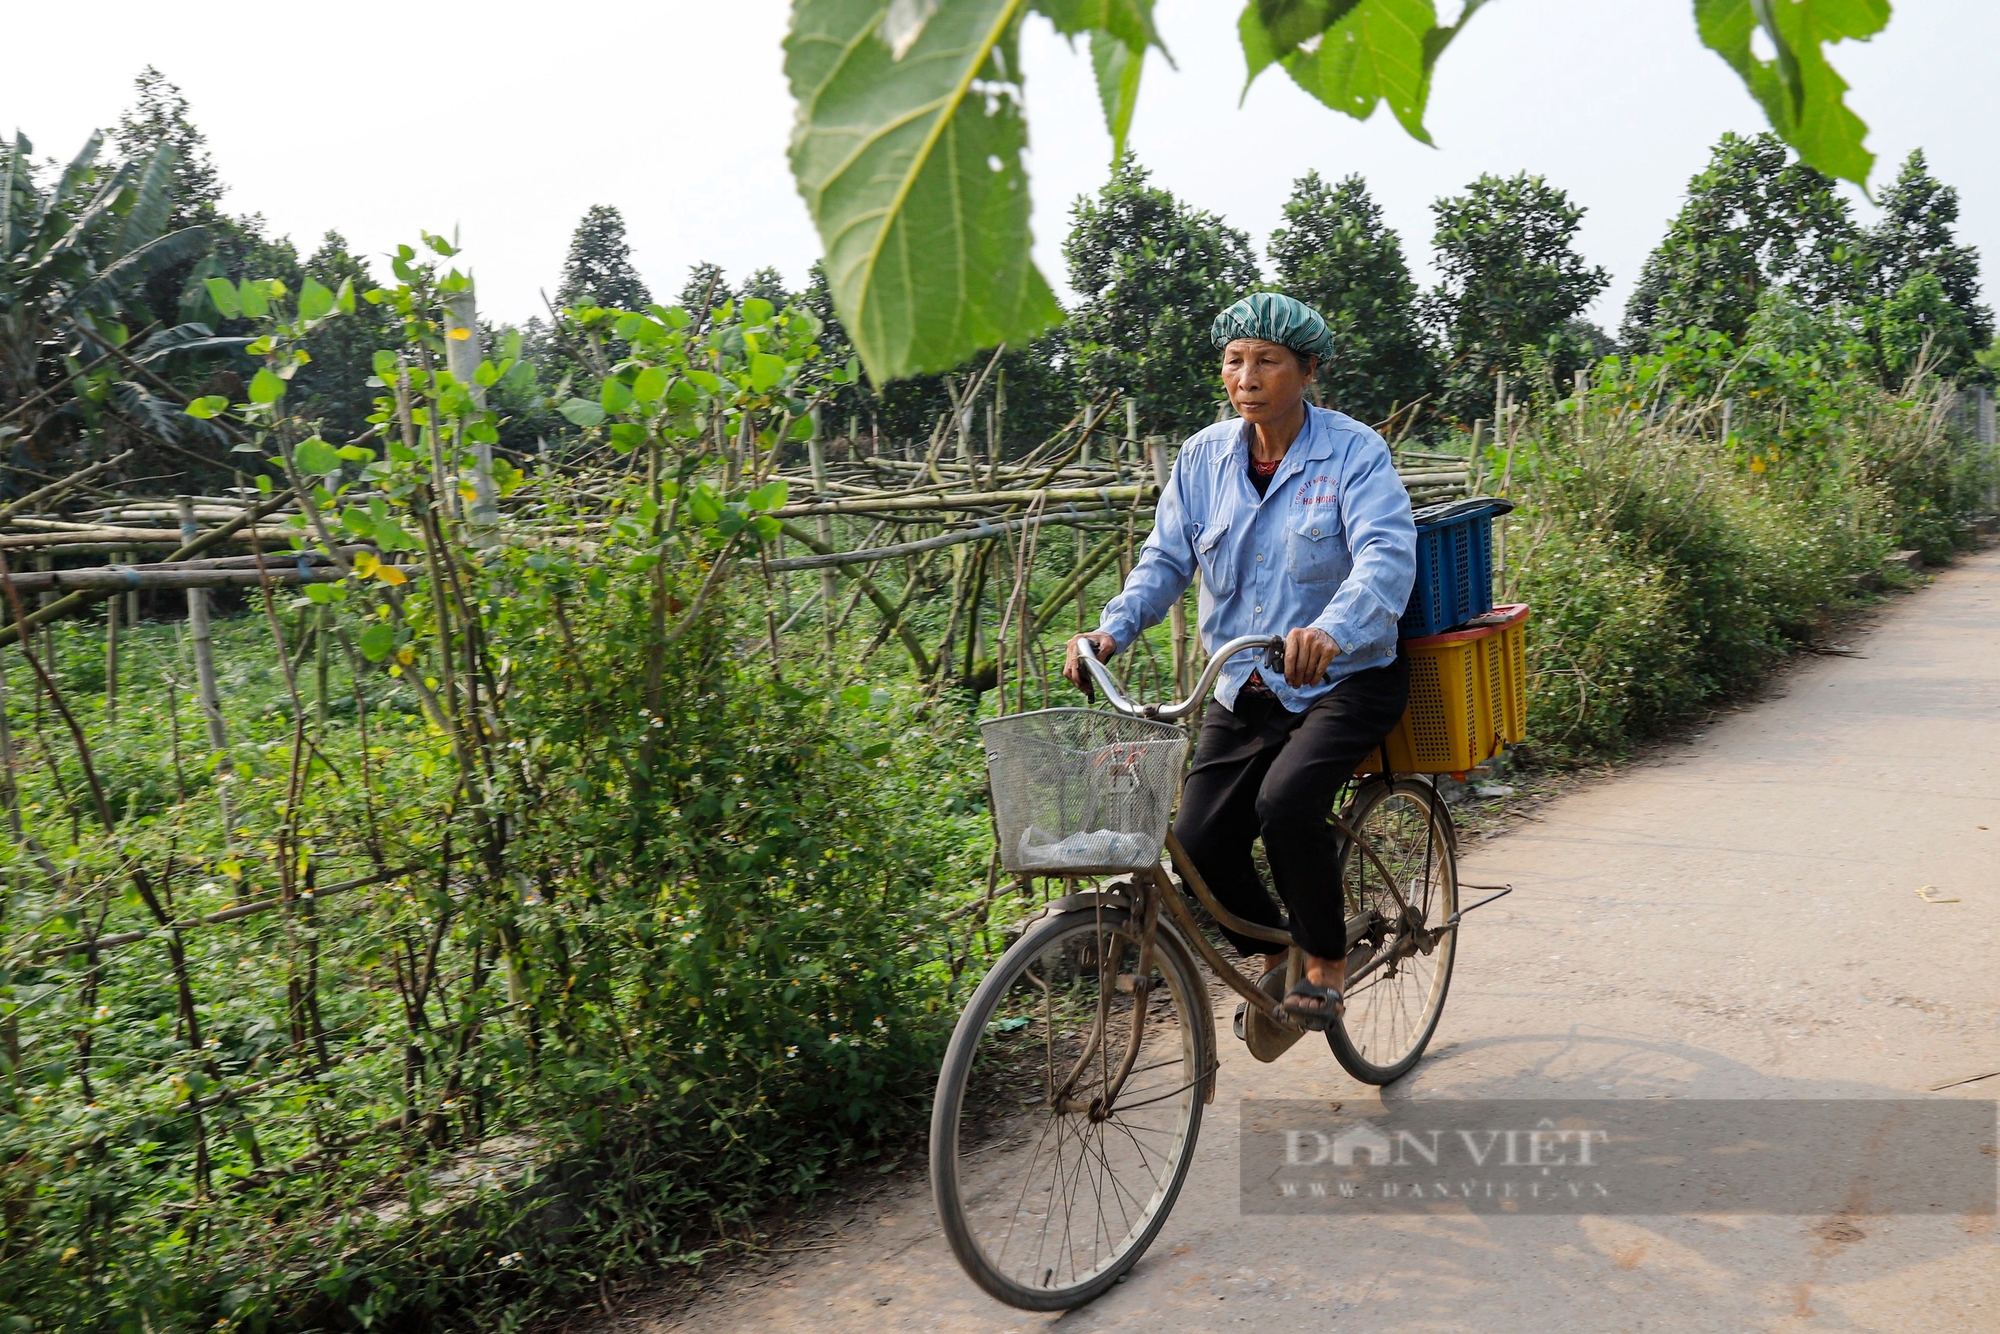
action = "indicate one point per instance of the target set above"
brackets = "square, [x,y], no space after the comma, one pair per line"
[1073,668]
[1308,653]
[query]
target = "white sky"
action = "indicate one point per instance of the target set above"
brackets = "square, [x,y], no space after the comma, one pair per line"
[676,112]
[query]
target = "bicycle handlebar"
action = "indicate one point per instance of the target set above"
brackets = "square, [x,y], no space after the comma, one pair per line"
[1115,697]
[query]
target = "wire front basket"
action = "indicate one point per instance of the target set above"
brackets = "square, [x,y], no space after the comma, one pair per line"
[1082,792]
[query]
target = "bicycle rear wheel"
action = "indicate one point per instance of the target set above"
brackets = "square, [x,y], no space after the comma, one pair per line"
[1047,1194]
[1392,1013]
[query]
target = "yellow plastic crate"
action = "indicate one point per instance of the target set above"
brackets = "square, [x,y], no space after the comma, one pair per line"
[1468,697]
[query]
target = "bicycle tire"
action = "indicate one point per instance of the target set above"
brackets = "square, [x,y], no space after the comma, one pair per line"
[1379,1039]
[972,1199]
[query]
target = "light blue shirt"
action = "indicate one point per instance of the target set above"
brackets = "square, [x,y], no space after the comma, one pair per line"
[1330,544]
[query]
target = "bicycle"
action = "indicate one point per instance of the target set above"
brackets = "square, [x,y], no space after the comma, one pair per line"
[1073,1087]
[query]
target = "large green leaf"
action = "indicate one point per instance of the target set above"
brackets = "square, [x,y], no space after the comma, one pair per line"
[907,150]
[1120,31]
[1274,29]
[79,169]
[138,265]
[1802,96]
[15,179]
[1117,67]
[315,300]
[1374,52]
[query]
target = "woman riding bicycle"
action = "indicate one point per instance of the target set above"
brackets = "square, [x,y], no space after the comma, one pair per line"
[1300,526]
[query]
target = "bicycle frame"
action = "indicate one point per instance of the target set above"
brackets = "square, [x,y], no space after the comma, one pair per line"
[1153,890]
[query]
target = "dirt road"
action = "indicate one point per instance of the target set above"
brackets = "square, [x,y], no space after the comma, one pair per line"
[1740,918]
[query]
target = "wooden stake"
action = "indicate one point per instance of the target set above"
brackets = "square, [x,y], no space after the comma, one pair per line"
[12,791]
[1131,450]
[828,581]
[321,634]
[204,673]
[999,415]
[1177,626]
[462,355]
[112,606]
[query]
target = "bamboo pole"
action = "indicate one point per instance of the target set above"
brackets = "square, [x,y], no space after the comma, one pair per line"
[462,354]
[229,573]
[1131,448]
[1108,495]
[116,579]
[828,580]
[61,487]
[892,613]
[131,598]
[321,633]
[1177,627]
[204,670]
[112,606]
[982,529]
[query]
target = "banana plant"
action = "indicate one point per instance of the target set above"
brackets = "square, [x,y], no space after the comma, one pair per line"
[71,254]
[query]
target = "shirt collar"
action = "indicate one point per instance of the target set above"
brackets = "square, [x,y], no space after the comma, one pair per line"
[1314,441]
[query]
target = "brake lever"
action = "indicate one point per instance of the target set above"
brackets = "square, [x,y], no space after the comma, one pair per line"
[1084,681]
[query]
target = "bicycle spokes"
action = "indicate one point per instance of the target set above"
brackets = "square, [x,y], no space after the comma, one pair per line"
[1059,1182]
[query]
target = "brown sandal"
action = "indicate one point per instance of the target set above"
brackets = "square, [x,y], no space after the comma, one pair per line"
[1320,1015]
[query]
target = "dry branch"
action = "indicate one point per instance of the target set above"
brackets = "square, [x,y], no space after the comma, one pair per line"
[982,529]
[120,578]
[1109,495]
[249,909]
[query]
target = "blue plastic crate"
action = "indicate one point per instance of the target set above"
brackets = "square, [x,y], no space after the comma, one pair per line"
[1454,565]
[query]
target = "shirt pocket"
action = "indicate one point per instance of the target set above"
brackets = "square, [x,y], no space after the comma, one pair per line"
[1216,557]
[1314,551]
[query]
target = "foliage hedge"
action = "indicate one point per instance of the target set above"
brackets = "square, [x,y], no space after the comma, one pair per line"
[1694,516]
[713,992]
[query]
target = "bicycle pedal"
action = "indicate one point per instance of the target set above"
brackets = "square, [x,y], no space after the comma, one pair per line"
[1266,1038]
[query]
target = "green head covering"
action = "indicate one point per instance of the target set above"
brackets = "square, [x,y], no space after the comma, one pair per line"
[1275,318]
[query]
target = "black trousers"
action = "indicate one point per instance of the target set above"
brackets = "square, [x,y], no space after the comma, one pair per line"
[1264,770]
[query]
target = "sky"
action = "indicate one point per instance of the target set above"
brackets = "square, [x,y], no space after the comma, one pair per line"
[380,120]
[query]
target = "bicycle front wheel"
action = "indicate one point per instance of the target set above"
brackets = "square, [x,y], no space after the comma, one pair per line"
[1392,1013]
[1068,1107]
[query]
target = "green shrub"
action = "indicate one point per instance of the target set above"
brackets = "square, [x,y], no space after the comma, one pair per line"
[1671,563]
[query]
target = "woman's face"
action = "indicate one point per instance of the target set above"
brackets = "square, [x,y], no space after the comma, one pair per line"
[1265,381]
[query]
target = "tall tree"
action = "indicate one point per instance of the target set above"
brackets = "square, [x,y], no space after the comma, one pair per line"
[1919,325]
[706,286]
[768,284]
[1914,239]
[1152,273]
[334,384]
[599,269]
[1335,254]
[160,117]
[1754,218]
[1512,282]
